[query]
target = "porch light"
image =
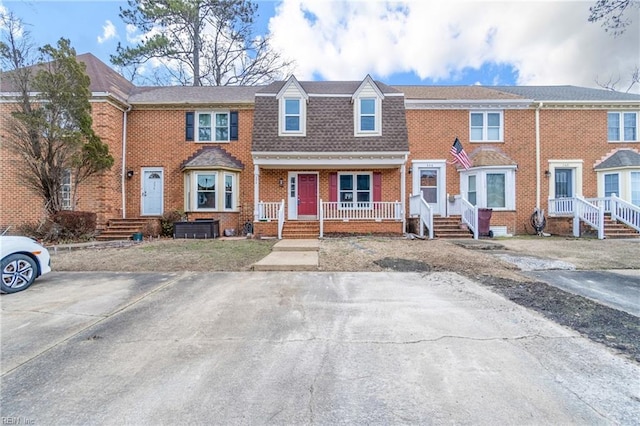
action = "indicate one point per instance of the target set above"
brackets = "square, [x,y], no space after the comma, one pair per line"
[547,173]
[281,182]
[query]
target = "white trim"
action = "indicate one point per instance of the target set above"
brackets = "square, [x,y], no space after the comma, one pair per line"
[467,104]
[441,165]
[212,113]
[302,114]
[329,160]
[481,185]
[143,170]
[577,165]
[292,81]
[485,126]
[368,81]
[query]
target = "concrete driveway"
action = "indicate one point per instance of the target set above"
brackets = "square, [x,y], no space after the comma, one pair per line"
[297,348]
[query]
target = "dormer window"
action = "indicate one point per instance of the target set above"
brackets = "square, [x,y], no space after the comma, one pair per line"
[292,115]
[367,109]
[367,115]
[292,109]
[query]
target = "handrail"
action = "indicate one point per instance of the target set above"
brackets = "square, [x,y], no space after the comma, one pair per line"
[280,219]
[589,213]
[321,218]
[560,207]
[418,206]
[625,212]
[469,215]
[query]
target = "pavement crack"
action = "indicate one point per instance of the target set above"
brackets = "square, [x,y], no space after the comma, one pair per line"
[98,320]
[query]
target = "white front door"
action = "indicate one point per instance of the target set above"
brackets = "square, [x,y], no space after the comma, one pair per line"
[152,192]
[429,180]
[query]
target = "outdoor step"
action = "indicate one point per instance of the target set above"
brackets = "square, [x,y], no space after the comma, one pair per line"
[288,261]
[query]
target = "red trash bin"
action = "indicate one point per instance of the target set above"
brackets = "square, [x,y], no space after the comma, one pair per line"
[484,220]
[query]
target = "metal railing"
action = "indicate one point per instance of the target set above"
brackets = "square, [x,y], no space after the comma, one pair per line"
[419,207]
[469,215]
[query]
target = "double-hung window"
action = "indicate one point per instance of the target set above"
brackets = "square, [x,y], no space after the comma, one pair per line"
[472,194]
[292,115]
[213,127]
[622,126]
[635,188]
[496,190]
[206,190]
[486,126]
[367,116]
[611,184]
[65,191]
[355,190]
[211,190]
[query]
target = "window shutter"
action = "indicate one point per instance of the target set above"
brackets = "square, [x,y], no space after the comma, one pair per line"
[333,187]
[233,125]
[377,186]
[189,125]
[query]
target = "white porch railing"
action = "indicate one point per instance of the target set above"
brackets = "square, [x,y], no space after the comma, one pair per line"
[625,212]
[419,207]
[280,219]
[590,214]
[589,211]
[560,207]
[469,215]
[375,210]
[268,211]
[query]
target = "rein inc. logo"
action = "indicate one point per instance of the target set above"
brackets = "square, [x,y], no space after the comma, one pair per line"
[17,420]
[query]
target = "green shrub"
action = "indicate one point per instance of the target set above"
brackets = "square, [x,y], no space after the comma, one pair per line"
[166,222]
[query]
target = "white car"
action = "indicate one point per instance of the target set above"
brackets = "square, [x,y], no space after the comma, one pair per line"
[23,260]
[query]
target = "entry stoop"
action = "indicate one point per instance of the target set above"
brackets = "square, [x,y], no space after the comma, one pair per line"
[291,255]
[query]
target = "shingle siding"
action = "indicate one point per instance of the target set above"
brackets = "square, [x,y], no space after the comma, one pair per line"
[330,127]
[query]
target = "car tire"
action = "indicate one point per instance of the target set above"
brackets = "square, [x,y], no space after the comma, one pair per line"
[19,271]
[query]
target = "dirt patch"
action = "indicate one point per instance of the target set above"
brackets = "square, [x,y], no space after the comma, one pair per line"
[403,265]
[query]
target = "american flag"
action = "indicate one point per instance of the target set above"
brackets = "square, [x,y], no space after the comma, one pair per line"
[459,154]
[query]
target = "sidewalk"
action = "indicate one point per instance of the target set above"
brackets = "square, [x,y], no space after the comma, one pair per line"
[291,255]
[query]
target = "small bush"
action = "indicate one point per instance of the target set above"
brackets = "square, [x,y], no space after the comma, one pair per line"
[152,228]
[75,225]
[166,223]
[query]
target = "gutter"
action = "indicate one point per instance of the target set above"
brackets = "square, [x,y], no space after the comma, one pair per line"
[123,173]
[538,182]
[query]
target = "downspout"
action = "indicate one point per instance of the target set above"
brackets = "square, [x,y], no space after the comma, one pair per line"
[403,195]
[123,173]
[538,177]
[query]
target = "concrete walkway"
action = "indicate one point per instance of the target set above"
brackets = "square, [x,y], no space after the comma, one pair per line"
[291,255]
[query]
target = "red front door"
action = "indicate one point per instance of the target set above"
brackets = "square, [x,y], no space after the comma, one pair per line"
[307,195]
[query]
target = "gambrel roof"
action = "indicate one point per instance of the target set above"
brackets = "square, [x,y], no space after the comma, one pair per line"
[330,120]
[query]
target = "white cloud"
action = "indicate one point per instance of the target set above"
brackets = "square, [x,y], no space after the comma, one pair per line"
[108,32]
[547,42]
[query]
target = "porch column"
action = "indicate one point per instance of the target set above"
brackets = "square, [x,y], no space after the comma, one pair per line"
[403,195]
[256,191]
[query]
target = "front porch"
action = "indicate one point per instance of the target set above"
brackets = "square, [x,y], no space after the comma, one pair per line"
[334,218]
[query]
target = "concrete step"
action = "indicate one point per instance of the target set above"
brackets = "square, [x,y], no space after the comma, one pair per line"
[291,255]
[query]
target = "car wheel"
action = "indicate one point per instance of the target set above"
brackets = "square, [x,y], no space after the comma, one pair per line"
[18,272]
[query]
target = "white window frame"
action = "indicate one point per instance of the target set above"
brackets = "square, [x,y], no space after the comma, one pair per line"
[621,129]
[302,114]
[634,174]
[482,187]
[485,126]
[604,181]
[213,115]
[66,190]
[353,205]
[377,130]
[191,190]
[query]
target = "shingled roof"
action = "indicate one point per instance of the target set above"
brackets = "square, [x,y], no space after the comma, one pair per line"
[330,121]
[189,95]
[621,158]
[212,156]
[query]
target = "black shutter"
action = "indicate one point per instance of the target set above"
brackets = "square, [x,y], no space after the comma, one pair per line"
[233,125]
[189,125]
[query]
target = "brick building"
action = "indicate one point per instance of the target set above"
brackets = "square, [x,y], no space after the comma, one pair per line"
[314,158]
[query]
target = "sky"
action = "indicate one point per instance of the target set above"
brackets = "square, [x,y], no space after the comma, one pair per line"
[446,42]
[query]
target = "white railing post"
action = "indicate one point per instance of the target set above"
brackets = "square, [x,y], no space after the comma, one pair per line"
[614,207]
[321,218]
[576,221]
[601,222]
[280,219]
